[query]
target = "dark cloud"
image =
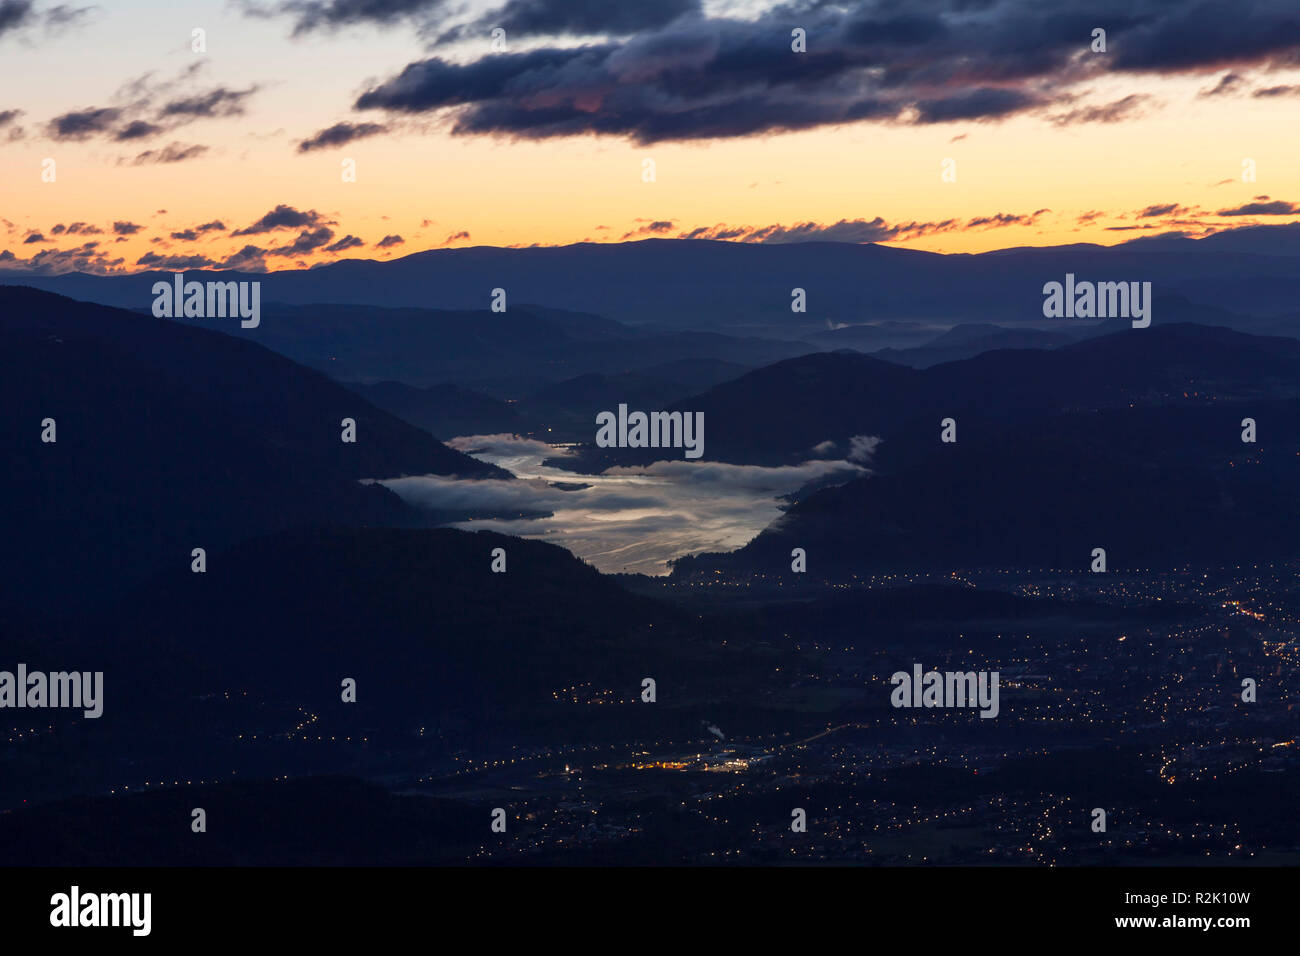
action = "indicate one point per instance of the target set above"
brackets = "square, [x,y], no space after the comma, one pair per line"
[1004,219]
[34,237]
[312,15]
[1269,91]
[456,237]
[347,242]
[214,103]
[308,241]
[62,16]
[551,18]
[567,92]
[683,75]
[1167,209]
[1275,208]
[136,129]
[1200,36]
[518,17]
[664,86]
[136,116]
[175,263]
[389,241]
[857,230]
[126,228]
[1231,83]
[846,230]
[282,217]
[250,257]
[1110,113]
[340,133]
[987,103]
[14,14]
[723,231]
[433,83]
[82,124]
[190,235]
[9,116]
[85,258]
[651,228]
[173,153]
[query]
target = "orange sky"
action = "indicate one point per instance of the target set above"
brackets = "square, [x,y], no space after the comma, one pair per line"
[426,185]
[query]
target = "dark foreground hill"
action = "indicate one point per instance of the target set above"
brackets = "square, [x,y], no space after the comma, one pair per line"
[170,438]
[309,822]
[239,671]
[416,616]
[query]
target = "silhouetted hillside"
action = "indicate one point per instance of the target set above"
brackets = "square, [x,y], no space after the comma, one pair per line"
[777,414]
[205,674]
[445,409]
[505,354]
[1156,487]
[308,822]
[566,411]
[417,617]
[967,341]
[171,438]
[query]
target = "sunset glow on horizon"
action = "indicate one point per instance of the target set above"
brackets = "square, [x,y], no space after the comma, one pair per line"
[223,158]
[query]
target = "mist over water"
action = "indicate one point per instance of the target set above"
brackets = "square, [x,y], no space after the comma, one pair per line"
[627,519]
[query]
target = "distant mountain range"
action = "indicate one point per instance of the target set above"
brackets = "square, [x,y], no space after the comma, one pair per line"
[967,341]
[747,288]
[509,355]
[781,413]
